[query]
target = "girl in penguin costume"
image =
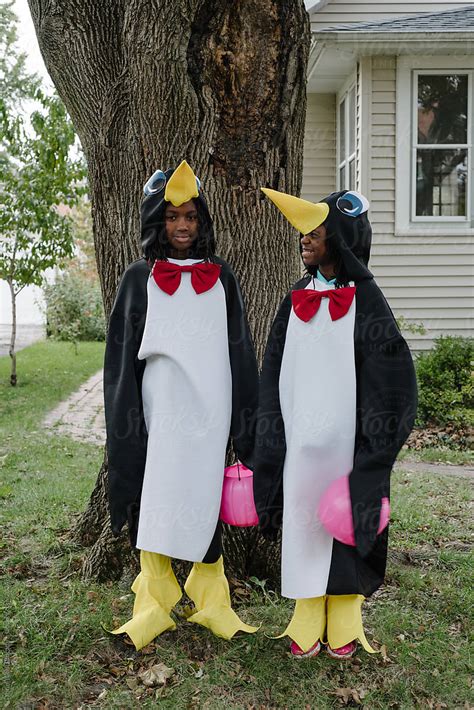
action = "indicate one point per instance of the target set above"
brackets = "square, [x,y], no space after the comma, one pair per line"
[337,397]
[180,377]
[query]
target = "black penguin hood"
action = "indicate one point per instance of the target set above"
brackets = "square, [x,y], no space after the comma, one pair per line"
[348,224]
[344,214]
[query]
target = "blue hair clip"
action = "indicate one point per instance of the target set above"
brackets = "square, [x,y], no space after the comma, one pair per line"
[352,204]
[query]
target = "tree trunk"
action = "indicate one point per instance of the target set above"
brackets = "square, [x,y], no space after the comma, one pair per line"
[11,350]
[218,82]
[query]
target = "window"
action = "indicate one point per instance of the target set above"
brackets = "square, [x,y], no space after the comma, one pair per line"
[440,151]
[347,140]
[434,139]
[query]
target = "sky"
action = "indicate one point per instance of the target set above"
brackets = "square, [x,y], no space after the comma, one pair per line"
[27,40]
[29,44]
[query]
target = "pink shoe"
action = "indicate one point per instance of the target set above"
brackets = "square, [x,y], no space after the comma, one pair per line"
[346,651]
[298,652]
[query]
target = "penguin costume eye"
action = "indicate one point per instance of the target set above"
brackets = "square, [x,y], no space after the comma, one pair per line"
[352,204]
[155,183]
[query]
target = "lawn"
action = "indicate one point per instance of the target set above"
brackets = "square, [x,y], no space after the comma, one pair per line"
[56,653]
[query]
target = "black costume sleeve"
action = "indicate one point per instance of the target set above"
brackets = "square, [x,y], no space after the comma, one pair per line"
[270,442]
[123,373]
[386,408]
[243,363]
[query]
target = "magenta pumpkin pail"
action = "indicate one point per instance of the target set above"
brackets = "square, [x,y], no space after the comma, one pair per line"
[238,505]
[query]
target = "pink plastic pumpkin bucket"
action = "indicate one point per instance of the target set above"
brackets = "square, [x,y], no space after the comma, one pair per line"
[335,511]
[238,505]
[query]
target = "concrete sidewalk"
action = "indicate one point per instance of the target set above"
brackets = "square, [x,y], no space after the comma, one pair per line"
[81,416]
[440,469]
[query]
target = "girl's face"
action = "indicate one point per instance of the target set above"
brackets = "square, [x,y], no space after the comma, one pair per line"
[181,226]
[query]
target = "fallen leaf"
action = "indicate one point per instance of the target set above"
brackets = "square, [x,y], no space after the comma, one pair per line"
[349,694]
[188,610]
[6,491]
[156,675]
[147,650]
[116,671]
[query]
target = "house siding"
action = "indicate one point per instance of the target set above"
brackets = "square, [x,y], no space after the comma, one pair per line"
[319,159]
[426,279]
[338,12]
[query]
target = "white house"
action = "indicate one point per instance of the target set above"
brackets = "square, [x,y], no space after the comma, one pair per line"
[390,113]
[29,305]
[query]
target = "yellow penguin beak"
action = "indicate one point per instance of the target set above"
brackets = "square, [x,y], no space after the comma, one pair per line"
[182,185]
[303,215]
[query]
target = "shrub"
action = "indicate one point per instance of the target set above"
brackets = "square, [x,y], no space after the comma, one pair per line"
[407,326]
[74,309]
[445,384]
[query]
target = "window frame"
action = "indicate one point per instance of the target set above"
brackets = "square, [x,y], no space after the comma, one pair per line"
[407,223]
[415,146]
[343,95]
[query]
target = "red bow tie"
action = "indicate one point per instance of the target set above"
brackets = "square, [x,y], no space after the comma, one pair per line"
[306,302]
[168,275]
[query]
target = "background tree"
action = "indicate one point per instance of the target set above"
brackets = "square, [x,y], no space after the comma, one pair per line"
[15,82]
[73,300]
[219,82]
[83,262]
[37,175]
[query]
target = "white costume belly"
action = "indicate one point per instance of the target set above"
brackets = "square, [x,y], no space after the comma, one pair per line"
[187,403]
[318,403]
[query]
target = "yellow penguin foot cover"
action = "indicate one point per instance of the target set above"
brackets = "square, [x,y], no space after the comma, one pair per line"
[157,591]
[345,621]
[308,622]
[208,587]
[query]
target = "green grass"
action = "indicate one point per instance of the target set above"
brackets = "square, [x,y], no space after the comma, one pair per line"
[57,655]
[47,373]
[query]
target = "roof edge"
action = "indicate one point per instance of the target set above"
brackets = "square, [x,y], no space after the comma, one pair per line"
[317,6]
[415,36]
[361,27]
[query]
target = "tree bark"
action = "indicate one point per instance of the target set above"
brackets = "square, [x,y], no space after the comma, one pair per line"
[218,82]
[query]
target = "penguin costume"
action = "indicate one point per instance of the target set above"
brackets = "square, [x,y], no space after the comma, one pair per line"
[337,397]
[180,378]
